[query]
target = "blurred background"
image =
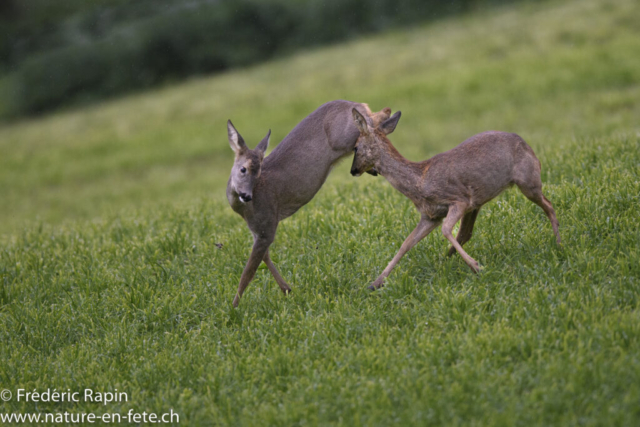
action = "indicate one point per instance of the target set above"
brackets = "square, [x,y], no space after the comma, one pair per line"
[112,105]
[59,53]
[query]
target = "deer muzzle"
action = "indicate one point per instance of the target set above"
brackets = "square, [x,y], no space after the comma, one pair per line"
[244,197]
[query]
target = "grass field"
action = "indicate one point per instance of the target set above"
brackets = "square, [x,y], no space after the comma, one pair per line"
[111,277]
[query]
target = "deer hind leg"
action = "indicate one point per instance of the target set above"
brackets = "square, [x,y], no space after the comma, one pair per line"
[466,229]
[456,212]
[424,227]
[534,193]
[276,274]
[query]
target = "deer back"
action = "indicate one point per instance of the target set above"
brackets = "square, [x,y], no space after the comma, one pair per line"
[296,169]
[478,169]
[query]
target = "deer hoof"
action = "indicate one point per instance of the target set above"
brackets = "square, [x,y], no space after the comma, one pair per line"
[452,251]
[236,301]
[477,268]
[375,285]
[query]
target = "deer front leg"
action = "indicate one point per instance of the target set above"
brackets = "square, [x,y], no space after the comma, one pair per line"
[466,229]
[260,247]
[424,227]
[276,274]
[456,212]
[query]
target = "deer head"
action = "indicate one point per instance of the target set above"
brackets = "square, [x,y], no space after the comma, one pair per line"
[247,165]
[370,142]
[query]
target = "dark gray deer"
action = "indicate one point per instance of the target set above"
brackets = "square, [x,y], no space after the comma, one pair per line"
[453,185]
[264,191]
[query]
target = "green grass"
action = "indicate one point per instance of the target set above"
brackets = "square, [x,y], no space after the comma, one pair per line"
[111,278]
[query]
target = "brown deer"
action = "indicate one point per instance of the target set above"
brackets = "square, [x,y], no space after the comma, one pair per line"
[453,185]
[264,191]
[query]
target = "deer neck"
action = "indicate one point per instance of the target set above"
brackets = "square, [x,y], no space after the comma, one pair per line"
[402,174]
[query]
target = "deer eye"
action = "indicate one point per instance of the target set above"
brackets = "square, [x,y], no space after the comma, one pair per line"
[243,169]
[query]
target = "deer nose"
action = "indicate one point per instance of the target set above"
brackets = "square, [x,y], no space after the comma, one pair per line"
[244,197]
[354,171]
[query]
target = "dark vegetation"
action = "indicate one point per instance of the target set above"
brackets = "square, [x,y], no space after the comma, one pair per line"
[70,51]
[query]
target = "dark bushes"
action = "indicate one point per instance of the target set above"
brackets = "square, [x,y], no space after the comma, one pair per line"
[202,38]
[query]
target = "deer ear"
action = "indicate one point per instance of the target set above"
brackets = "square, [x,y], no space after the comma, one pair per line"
[264,144]
[235,140]
[361,122]
[390,124]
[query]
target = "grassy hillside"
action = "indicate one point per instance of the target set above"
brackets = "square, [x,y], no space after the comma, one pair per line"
[111,277]
[550,73]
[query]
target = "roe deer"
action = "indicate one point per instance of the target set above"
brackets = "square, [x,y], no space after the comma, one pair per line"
[264,191]
[453,185]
